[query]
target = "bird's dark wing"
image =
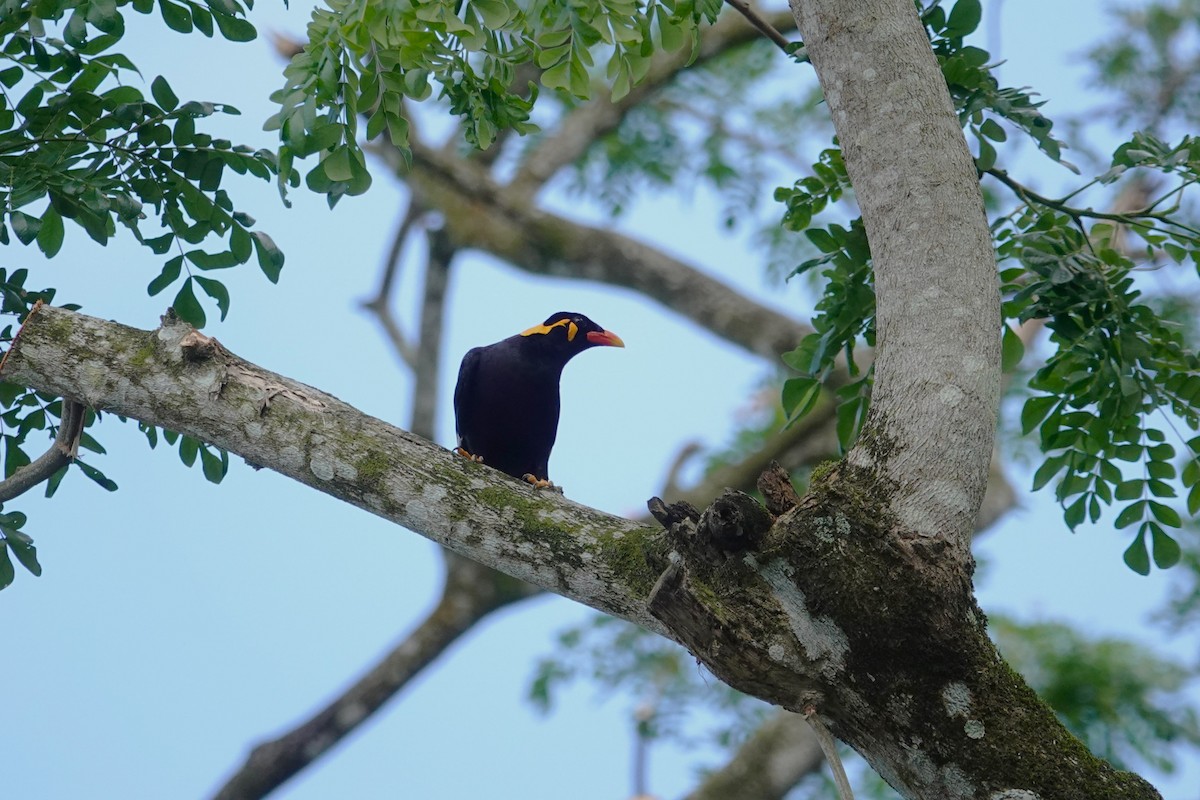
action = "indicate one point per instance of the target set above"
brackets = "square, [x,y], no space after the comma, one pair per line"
[466,398]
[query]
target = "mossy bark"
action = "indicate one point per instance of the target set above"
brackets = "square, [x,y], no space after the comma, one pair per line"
[837,609]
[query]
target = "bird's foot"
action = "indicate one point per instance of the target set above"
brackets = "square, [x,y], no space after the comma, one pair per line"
[468,456]
[540,483]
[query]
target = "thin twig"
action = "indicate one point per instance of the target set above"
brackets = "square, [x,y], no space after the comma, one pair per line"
[378,305]
[829,748]
[1127,217]
[61,453]
[429,345]
[767,29]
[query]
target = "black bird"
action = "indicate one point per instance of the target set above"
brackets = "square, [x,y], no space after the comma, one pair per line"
[506,402]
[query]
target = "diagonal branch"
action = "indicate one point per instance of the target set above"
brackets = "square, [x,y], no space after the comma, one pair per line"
[769,765]
[829,605]
[468,596]
[760,24]
[62,452]
[482,215]
[379,304]
[180,379]
[584,125]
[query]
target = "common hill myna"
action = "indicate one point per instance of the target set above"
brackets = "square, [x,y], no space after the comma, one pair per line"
[506,402]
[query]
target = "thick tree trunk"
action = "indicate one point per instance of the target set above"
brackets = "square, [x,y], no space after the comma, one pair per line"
[832,607]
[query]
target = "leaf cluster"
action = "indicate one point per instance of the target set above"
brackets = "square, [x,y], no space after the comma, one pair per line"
[672,693]
[1121,377]
[1121,374]
[372,59]
[80,149]
[78,145]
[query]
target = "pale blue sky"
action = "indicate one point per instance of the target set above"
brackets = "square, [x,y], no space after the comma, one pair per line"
[178,622]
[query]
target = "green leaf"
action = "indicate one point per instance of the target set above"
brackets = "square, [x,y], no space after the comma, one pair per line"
[7,573]
[24,226]
[240,244]
[1035,410]
[1131,514]
[23,548]
[235,29]
[187,306]
[1012,350]
[270,257]
[1136,556]
[170,274]
[163,95]
[1130,490]
[1166,549]
[217,291]
[50,236]
[214,466]
[177,17]
[1073,514]
[822,239]
[189,447]
[799,396]
[850,417]
[1165,514]
[1049,468]
[99,477]
[964,19]
[992,130]
[337,165]
[987,156]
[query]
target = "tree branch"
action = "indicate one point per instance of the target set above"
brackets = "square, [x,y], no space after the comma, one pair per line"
[482,215]
[379,304]
[761,25]
[937,363]
[180,379]
[429,345]
[586,124]
[61,452]
[833,607]
[470,593]
[769,765]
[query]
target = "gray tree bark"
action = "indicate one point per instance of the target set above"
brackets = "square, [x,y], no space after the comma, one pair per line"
[835,607]
[855,605]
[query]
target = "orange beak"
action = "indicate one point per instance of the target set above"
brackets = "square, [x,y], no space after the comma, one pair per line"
[606,338]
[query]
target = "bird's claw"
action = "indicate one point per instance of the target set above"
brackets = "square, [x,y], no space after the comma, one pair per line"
[468,456]
[540,483]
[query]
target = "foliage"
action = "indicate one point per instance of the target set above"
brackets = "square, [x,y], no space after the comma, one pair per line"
[83,150]
[370,59]
[1147,63]
[1116,361]
[661,677]
[79,145]
[1120,700]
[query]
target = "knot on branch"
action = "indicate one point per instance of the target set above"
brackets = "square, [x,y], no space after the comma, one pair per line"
[776,486]
[734,523]
[748,643]
[197,347]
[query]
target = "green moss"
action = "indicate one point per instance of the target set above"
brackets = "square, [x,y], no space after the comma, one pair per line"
[144,355]
[531,515]
[371,468]
[820,471]
[636,557]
